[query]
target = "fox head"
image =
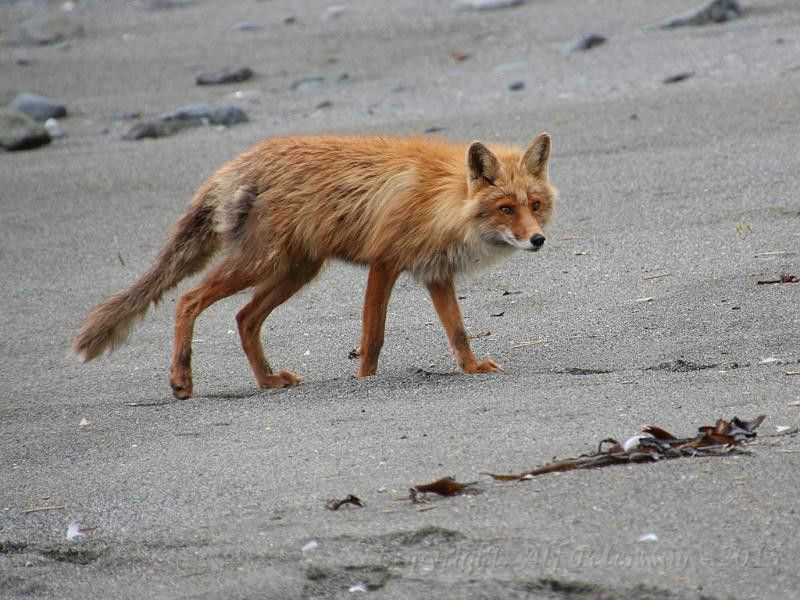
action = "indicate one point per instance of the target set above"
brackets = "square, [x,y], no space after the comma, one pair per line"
[511,193]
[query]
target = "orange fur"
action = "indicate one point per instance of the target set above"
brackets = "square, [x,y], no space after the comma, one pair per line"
[283,208]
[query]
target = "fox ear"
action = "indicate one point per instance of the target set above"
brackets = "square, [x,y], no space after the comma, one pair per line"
[536,156]
[482,164]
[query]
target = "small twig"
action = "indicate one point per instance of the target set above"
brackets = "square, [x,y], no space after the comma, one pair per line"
[41,508]
[480,334]
[528,343]
[771,253]
[792,373]
[648,278]
[193,573]
[119,254]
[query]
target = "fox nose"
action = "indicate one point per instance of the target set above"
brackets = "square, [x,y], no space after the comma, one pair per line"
[537,241]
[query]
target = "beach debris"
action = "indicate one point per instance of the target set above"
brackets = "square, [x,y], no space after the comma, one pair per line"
[713,11]
[53,127]
[310,546]
[188,116]
[783,278]
[224,75]
[648,537]
[20,132]
[460,56]
[724,437]
[336,504]
[446,486]
[75,530]
[85,423]
[584,43]
[485,4]
[39,108]
[358,587]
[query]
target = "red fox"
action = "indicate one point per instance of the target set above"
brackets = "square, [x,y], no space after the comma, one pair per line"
[280,210]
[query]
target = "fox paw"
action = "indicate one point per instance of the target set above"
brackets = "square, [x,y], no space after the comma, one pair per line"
[484,366]
[279,380]
[183,390]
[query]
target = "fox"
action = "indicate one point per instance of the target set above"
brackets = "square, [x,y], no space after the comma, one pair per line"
[280,211]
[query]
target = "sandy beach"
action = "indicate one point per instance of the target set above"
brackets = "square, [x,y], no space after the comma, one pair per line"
[675,151]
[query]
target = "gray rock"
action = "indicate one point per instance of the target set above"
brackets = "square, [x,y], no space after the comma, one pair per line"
[153,128]
[19,132]
[206,114]
[516,85]
[46,30]
[224,76]
[308,83]
[713,11]
[188,116]
[584,43]
[485,4]
[37,107]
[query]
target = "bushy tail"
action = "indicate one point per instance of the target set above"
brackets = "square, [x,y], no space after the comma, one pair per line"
[189,248]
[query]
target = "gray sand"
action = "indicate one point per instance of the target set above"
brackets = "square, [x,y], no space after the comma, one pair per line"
[215,497]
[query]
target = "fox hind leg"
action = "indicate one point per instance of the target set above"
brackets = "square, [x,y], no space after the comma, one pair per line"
[267,297]
[223,281]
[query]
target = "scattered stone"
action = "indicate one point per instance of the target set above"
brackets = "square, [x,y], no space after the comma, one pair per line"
[246,26]
[679,77]
[224,76]
[333,12]
[188,116]
[516,85]
[713,11]
[308,83]
[47,30]
[19,132]
[291,20]
[168,4]
[584,43]
[485,4]
[37,107]
[324,104]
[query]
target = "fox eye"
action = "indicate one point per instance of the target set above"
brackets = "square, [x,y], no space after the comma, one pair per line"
[507,210]
[536,206]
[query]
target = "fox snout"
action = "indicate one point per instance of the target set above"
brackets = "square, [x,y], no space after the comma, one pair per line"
[537,241]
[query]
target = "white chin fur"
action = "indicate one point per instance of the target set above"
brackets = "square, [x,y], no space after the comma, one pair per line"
[509,239]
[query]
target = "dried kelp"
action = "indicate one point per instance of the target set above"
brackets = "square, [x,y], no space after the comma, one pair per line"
[336,503]
[723,437]
[446,486]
